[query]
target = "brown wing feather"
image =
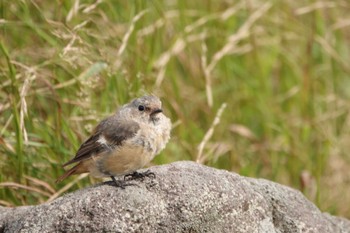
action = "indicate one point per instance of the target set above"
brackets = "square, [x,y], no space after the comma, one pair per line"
[115,133]
[88,148]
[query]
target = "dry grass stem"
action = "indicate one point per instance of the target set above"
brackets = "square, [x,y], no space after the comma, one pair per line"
[242,33]
[178,46]
[126,37]
[41,183]
[5,203]
[243,131]
[209,134]
[73,11]
[23,105]
[342,23]
[21,186]
[318,5]
[66,187]
[92,7]
[7,145]
[206,19]
[207,76]
[157,24]
[332,52]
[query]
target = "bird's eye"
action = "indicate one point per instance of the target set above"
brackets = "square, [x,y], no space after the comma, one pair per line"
[141,108]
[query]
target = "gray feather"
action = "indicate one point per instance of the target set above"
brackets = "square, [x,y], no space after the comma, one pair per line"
[114,131]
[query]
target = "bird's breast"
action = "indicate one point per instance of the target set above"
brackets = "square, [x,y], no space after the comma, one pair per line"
[122,160]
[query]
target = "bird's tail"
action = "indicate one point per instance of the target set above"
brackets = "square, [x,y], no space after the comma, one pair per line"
[73,170]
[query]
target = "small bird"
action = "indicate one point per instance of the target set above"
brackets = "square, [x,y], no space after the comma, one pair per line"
[124,142]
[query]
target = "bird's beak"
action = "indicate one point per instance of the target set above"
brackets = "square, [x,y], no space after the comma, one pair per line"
[156,111]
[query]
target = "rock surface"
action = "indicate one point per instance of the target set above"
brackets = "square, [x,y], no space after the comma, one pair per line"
[184,197]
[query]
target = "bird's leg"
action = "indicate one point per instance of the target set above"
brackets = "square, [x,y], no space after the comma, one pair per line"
[120,183]
[139,175]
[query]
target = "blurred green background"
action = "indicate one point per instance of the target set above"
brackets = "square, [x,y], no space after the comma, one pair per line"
[257,87]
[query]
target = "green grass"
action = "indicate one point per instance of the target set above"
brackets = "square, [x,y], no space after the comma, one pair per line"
[281,67]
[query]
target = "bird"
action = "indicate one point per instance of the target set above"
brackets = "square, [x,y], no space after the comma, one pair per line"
[123,142]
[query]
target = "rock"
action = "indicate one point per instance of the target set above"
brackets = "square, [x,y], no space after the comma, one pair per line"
[184,197]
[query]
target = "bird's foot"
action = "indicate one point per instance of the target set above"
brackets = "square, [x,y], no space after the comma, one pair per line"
[121,183]
[139,175]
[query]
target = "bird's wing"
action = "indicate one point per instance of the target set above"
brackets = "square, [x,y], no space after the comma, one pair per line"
[107,135]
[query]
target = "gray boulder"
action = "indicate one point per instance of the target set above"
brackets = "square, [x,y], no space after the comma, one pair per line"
[184,197]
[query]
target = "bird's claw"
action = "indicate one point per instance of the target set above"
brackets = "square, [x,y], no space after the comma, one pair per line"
[121,183]
[139,175]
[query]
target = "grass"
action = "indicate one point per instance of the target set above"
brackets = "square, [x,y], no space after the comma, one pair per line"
[259,88]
